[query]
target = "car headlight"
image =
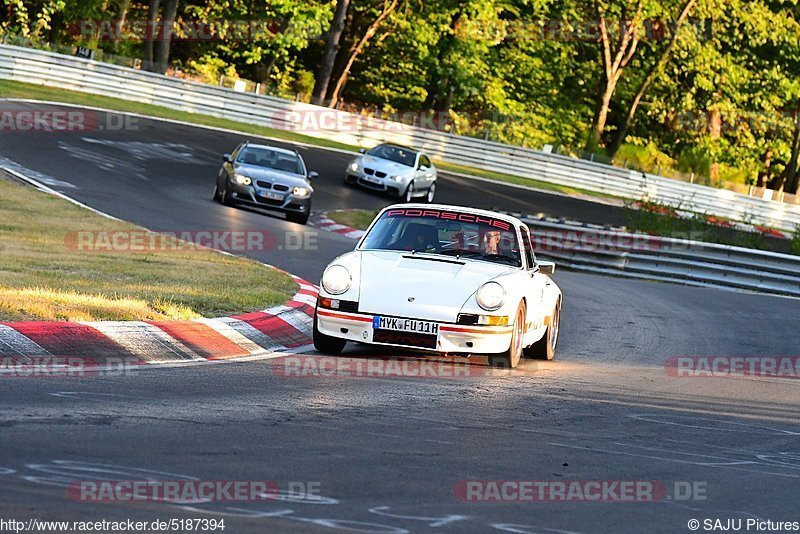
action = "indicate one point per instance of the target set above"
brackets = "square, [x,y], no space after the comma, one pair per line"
[354,166]
[397,178]
[490,296]
[300,191]
[336,280]
[242,179]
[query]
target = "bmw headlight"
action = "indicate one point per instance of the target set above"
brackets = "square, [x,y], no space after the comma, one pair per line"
[242,179]
[490,296]
[397,178]
[354,166]
[300,191]
[336,280]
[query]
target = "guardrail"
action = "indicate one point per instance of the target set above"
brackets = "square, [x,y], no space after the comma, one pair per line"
[658,258]
[47,68]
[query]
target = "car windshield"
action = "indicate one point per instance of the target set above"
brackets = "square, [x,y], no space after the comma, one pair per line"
[451,233]
[394,153]
[271,159]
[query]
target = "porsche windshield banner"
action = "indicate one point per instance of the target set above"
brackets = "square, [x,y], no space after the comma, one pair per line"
[449,216]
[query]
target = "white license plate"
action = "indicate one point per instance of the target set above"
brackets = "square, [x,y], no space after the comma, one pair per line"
[405,325]
[270,195]
[373,180]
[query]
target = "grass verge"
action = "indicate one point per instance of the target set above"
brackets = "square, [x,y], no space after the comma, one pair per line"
[45,275]
[657,219]
[358,219]
[10,89]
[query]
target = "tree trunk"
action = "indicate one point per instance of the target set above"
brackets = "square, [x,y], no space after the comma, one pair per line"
[122,15]
[163,45]
[371,31]
[332,45]
[655,68]
[152,16]
[614,63]
[792,172]
[715,132]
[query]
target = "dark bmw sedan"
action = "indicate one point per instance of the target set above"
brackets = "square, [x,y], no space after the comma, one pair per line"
[266,177]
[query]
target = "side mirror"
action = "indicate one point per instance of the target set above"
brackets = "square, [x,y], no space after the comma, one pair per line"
[312,174]
[547,267]
[227,158]
[362,150]
[423,168]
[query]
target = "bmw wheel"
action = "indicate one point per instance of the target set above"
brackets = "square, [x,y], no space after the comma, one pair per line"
[431,193]
[409,196]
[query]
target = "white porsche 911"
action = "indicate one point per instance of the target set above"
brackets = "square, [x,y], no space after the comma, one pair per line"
[441,278]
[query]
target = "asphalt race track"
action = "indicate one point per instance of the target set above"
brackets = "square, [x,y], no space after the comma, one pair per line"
[390,454]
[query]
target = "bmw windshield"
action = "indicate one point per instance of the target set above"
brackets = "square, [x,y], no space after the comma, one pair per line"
[271,159]
[397,154]
[449,233]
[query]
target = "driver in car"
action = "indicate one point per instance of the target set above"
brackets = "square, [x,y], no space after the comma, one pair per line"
[491,242]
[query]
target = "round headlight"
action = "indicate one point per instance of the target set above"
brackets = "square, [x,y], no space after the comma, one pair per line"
[354,166]
[490,296]
[300,191]
[397,178]
[242,179]
[336,280]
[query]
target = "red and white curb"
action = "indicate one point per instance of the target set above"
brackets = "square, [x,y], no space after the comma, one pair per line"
[323,222]
[273,330]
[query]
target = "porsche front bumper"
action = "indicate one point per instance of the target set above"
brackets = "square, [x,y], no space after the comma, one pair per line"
[451,338]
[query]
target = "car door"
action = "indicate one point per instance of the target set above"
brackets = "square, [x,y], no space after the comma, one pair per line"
[425,171]
[535,283]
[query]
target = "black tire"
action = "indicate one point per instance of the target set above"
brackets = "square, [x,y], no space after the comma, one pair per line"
[431,193]
[225,198]
[327,344]
[299,218]
[545,348]
[408,196]
[511,357]
[216,197]
[348,180]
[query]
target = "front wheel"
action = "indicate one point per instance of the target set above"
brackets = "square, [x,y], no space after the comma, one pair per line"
[409,194]
[225,197]
[431,193]
[325,343]
[216,197]
[545,348]
[510,358]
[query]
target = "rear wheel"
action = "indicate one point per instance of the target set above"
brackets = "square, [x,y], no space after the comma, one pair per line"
[299,218]
[545,348]
[510,358]
[327,344]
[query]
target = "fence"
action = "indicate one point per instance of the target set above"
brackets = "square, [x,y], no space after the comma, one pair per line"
[659,258]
